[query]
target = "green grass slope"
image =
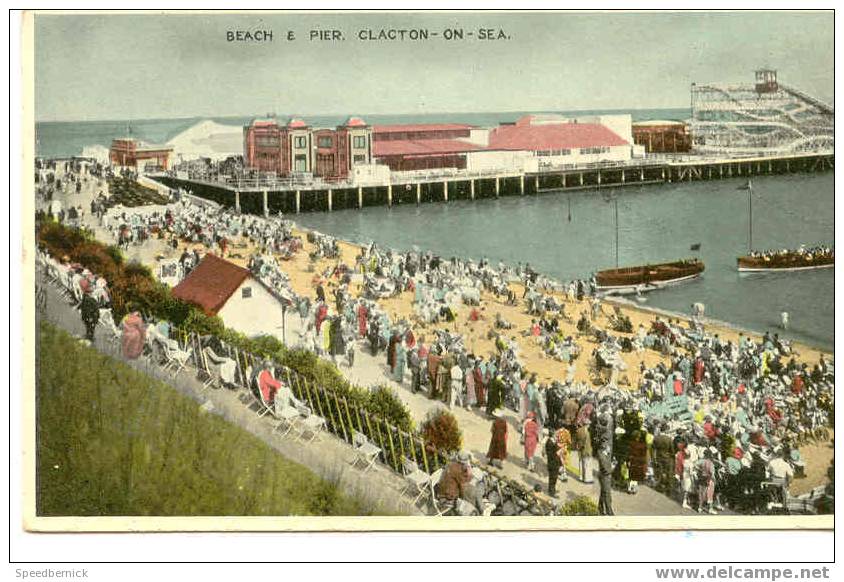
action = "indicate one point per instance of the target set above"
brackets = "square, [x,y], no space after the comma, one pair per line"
[112,441]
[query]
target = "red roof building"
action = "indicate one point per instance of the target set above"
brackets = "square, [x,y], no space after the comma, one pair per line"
[211,283]
[234,295]
[131,153]
[552,136]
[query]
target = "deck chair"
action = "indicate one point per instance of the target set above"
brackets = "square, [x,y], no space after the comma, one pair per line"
[263,407]
[176,359]
[107,321]
[287,419]
[417,481]
[438,507]
[223,368]
[206,373]
[365,452]
[63,284]
[311,425]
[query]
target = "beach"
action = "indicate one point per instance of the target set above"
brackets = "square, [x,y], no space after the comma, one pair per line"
[369,371]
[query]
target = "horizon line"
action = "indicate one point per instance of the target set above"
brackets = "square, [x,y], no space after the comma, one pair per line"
[296,114]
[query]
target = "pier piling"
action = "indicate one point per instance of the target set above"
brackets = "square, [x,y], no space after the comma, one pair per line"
[254,196]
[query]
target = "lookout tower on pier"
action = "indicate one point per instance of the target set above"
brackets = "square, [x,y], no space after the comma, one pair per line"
[766,81]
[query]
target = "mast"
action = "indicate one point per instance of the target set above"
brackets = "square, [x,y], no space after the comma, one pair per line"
[615,200]
[749,216]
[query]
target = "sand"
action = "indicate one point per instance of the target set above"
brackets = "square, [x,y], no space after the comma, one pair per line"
[304,274]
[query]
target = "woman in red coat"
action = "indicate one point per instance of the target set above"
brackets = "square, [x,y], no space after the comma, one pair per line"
[530,430]
[699,369]
[362,313]
[321,314]
[498,443]
[797,385]
[134,336]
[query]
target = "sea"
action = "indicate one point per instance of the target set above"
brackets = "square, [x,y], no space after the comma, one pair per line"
[572,235]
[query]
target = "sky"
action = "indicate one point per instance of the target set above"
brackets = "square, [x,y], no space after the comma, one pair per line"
[140,66]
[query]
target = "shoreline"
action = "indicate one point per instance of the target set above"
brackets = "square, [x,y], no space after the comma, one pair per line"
[721,325]
[716,323]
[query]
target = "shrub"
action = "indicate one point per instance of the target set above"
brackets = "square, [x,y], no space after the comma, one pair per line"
[115,253]
[441,432]
[267,345]
[580,505]
[383,400]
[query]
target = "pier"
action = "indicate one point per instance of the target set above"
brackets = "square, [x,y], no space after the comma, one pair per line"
[292,196]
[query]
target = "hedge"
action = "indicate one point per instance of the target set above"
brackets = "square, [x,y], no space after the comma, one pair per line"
[132,285]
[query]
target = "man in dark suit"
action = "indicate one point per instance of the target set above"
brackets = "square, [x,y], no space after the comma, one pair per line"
[552,454]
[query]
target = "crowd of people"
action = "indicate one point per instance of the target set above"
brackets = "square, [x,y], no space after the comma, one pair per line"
[713,424]
[802,254]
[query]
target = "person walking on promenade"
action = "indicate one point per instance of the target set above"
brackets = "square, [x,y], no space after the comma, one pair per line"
[495,395]
[605,432]
[553,462]
[663,459]
[444,376]
[584,452]
[456,397]
[399,361]
[90,311]
[530,430]
[415,370]
[497,451]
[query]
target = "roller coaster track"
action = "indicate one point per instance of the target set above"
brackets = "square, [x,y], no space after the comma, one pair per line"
[742,109]
[824,107]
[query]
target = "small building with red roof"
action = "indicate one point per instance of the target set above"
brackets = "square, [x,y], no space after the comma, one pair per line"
[534,142]
[137,155]
[221,288]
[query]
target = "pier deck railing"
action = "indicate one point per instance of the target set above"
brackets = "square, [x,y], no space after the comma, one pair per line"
[308,182]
